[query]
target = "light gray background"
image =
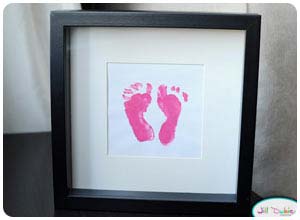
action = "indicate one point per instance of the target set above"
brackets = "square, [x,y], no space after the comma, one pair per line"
[27,91]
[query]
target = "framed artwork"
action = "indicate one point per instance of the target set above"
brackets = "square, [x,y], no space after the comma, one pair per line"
[154,112]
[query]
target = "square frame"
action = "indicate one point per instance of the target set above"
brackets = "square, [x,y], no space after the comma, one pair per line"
[149,202]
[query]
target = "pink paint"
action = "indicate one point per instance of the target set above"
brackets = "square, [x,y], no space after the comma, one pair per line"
[171,107]
[174,88]
[125,97]
[149,88]
[137,86]
[185,96]
[128,91]
[135,107]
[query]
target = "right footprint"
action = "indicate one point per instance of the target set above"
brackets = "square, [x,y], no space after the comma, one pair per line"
[171,107]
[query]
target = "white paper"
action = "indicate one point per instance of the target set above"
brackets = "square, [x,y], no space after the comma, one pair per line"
[187,79]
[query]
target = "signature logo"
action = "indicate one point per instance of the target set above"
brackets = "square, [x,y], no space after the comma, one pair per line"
[276,206]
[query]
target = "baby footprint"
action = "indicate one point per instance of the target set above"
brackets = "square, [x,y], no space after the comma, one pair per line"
[171,107]
[136,105]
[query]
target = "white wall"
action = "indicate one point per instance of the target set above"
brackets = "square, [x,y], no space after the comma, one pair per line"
[27,89]
[26,77]
[275,161]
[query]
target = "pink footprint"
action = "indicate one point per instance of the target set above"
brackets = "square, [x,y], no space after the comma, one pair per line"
[136,105]
[171,107]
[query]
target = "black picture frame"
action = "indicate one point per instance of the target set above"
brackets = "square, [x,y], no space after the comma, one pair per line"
[149,202]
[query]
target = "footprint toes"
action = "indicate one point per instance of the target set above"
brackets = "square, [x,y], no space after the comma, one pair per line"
[126,98]
[128,91]
[137,86]
[149,88]
[175,89]
[185,96]
[162,91]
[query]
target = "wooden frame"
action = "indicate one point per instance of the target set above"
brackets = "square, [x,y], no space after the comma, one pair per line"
[158,203]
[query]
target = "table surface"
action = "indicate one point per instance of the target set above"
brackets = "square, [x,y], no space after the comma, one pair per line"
[27,179]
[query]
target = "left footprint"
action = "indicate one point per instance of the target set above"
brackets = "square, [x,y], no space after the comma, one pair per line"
[136,104]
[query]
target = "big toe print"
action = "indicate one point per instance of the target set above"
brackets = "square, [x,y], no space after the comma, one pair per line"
[171,107]
[136,105]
